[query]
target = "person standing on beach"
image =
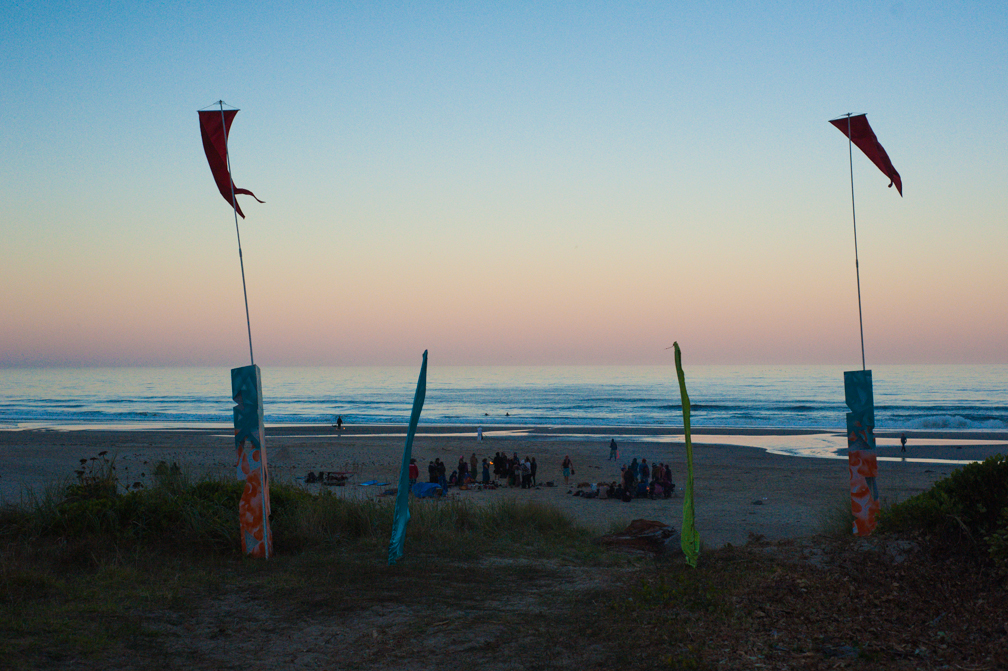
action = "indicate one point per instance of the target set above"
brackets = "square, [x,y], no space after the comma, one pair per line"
[473,465]
[903,442]
[613,450]
[568,469]
[414,472]
[479,434]
[339,422]
[442,470]
[533,469]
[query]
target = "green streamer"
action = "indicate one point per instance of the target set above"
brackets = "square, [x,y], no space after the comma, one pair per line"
[690,538]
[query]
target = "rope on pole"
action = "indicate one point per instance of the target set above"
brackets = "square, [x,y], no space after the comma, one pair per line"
[857,268]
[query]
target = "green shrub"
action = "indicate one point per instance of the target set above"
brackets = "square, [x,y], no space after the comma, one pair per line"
[998,541]
[972,502]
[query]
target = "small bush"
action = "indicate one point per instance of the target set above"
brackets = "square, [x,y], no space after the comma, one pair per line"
[970,505]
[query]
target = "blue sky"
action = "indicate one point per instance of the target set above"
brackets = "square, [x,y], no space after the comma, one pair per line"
[516,184]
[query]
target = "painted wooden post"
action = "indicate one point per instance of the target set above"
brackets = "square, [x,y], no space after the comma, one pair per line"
[254,507]
[861,457]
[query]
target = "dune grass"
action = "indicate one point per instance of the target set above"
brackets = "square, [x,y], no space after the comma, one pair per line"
[176,513]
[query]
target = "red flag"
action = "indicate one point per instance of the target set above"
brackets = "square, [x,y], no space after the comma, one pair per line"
[863,136]
[212,128]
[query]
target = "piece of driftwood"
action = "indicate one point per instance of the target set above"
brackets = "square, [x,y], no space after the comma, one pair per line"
[643,536]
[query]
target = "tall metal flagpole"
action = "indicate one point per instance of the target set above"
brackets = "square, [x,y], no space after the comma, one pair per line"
[857,269]
[234,206]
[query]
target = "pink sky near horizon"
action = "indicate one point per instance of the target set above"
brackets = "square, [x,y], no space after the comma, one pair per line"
[561,185]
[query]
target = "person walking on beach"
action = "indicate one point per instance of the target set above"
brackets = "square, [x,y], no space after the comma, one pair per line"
[613,450]
[339,422]
[903,442]
[479,434]
[568,469]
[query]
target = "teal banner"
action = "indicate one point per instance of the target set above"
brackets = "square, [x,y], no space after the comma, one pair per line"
[402,515]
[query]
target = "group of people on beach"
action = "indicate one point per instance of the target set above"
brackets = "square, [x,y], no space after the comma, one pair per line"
[637,480]
[641,480]
[513,471]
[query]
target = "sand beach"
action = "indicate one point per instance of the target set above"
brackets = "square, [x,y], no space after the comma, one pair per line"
[740,489]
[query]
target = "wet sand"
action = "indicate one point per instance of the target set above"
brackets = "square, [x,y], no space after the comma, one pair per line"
[740,490]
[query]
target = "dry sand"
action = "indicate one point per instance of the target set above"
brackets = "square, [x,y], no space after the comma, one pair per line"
[739,490]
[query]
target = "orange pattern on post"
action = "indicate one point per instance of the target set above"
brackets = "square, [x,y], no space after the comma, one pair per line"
[864,502]
[254,506]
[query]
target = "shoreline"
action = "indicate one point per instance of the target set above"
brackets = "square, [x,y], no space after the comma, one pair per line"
[537,429]
[740,489]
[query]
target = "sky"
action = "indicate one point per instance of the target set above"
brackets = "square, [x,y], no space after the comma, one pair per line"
[503,183]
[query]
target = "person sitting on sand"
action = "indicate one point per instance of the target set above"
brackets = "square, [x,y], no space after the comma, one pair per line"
[568,469]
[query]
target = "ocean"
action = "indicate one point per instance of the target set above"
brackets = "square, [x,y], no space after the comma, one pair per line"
[777,397]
